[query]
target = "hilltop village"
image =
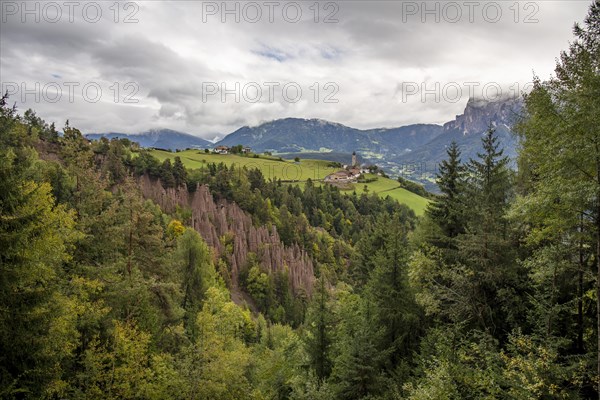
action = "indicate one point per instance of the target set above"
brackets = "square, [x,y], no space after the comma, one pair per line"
[349,173]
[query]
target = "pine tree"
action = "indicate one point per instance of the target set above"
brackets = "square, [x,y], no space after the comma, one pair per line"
[489,181]
[357,366]
[166,174]
[36,331]
[198,273]
[447,210]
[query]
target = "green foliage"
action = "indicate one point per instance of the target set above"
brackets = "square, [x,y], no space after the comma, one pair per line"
[36,328]
[215,365]
[492,294]
[318,331]
[560,193]
[237,149]
[447,211]
[146,163]
[166,174]
[455,367]
[126,368]
[357,361]
[179,172]
[413,187]
[198,274]
[258,285]
[394,306]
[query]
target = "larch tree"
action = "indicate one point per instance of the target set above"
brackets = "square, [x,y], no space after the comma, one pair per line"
[561,145]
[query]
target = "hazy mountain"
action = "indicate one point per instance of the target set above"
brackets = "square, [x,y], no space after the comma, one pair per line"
[432,153]
[295,135]
[397,141]
[413,150]
[466,129]
[159,138]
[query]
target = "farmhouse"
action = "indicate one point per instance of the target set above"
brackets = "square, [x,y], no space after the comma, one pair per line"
[340,176]
[222,149]
[348,174]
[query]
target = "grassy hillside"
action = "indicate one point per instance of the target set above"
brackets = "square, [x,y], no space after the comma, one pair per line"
[389,187]
[288,170]
[271,167]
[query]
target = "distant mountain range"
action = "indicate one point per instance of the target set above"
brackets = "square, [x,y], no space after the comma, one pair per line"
[158,138]
[296,135]
[413,151]
[466,129]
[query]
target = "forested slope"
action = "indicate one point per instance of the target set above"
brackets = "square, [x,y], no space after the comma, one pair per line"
[117,272]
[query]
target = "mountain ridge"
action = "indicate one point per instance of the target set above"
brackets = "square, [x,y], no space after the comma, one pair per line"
[413,151]
[391,148]
[158,138]
[297,135]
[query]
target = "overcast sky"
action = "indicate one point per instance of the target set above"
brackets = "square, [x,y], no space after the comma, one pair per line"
[360,63]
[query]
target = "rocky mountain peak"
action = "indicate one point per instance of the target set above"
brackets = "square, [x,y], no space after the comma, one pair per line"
[480,113]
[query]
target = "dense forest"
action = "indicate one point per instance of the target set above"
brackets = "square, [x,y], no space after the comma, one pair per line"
[493,294]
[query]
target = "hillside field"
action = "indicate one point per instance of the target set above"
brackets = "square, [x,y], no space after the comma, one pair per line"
[291,171]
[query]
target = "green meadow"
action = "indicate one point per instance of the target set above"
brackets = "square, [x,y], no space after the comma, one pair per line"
[291,171]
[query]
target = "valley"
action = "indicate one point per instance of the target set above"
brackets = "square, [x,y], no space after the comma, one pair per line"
[412,151]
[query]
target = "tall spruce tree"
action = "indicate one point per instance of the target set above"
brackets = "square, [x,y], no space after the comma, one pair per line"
[318,332]
[447,210]
[179,172]
[198,274]
[486,249]
[357,366]
[395,308]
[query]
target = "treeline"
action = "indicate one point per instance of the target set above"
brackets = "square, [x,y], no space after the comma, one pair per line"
[414,187]
[321,219]
[506,265]
[104,295]
[101,292]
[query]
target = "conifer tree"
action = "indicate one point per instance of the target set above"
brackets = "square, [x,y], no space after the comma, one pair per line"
[36,332]
[318,331]
[393,302]
[198,273]
[561,147]
[447,210]
[486,249]
[179,172]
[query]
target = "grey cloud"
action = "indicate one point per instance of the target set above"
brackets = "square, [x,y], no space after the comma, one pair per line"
[171,52]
